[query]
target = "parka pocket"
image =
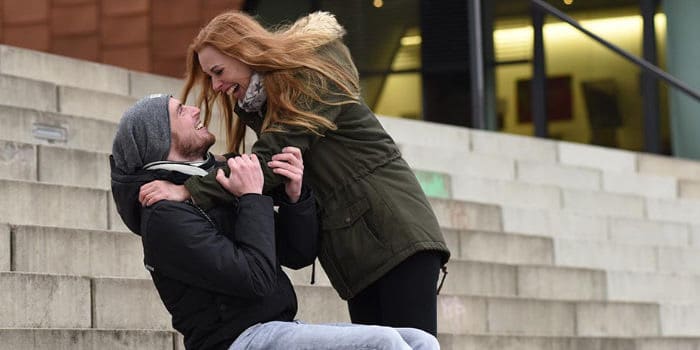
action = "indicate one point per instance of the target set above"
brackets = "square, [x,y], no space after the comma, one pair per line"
[350,241]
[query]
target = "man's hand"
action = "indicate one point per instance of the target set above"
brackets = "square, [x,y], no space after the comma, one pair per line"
[246,175]
[159,190]
[289,164]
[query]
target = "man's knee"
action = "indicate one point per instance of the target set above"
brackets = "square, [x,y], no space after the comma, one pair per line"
[418,339]
[387,338]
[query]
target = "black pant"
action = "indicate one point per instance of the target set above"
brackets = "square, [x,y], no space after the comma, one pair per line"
[405,297]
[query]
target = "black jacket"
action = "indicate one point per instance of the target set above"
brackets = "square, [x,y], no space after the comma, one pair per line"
[218,271]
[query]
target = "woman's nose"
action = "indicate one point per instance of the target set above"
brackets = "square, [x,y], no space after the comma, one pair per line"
[216,84]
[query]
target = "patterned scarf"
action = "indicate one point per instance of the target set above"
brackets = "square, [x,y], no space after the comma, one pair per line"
[255,96]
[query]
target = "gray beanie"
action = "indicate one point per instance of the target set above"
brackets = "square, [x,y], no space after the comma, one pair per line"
[143,134]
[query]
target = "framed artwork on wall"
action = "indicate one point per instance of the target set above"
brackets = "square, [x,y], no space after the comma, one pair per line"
[559,99]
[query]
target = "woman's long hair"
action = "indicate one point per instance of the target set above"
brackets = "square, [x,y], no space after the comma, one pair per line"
[299,66]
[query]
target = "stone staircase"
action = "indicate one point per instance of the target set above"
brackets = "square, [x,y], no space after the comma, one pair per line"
[555,245]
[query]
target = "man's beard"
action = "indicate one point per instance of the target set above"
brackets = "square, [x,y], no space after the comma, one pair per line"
[192,150]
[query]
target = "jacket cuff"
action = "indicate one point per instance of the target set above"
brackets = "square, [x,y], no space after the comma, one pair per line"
[306,199]
[253,198]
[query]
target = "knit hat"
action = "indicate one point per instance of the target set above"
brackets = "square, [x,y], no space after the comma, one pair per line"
[143,134]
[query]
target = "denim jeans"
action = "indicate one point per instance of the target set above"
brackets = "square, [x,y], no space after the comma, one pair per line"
[338,336]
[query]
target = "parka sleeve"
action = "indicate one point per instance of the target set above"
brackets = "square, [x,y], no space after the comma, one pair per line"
[206,191]
[182,244]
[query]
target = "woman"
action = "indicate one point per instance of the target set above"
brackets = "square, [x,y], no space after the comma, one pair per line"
[381,244]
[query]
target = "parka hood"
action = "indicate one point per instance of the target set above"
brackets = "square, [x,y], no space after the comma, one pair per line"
[320,23]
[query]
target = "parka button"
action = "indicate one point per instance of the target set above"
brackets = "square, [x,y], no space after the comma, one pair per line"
[222,307]
[347,220]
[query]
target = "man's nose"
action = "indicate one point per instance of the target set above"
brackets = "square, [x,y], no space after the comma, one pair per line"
[194,111]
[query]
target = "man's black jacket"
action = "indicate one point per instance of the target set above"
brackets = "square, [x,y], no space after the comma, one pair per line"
[218,272]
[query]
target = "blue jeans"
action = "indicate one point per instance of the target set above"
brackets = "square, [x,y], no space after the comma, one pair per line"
[338,336]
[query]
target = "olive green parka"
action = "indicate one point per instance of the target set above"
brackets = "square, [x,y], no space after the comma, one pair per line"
[373,212]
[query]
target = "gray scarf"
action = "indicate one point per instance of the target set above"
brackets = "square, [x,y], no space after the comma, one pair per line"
[255,96]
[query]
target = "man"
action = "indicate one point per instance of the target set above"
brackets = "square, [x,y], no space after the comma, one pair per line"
[218,272]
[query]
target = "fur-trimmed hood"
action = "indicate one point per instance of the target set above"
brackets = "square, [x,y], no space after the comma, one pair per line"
[320,23]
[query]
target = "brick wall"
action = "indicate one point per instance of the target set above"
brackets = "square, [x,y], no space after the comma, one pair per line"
[145,35]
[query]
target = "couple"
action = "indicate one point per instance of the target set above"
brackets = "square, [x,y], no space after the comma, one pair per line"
[218,271]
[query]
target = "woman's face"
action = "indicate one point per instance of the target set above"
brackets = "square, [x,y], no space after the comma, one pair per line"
[228,75]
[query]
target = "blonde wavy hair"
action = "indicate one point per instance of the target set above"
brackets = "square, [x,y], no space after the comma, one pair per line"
[297,73]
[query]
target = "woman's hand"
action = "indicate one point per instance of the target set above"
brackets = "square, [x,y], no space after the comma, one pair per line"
[246,175]
[289,164]
[159,190]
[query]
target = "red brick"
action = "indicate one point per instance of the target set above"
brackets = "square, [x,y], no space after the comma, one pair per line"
[82,47]
[171,67]
[72,2]
[175,12]
[1,20]
[211,8]
[124,7]
[25,11]
[74,19]
[136,58]
[172,42]
[125,30]
[35,37]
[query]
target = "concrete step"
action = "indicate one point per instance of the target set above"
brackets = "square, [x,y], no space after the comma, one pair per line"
[517,249]
[53,250]
[681,210]
[668,166]
[456,214]
[596,157]
[48,97]
[514,342]
[127,303]
[5,250]
[90,208]
[93,104]
[523,281]
[429,158]
[505,193]
[65,71]
[26,93]
[462,315]
[457,314]
[582,226]
[117,339]
[490,246]
[85,339]
[514,146]
[61,70]
[88,134]
[52,301]
[44,301]
[432,134]
[56,165]
[26,161]
[32,203]
[624,257]
[500,280]
[653,287]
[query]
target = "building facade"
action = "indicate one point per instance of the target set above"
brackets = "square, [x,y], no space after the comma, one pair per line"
[461,62]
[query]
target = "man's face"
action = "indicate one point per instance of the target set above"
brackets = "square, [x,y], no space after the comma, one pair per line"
[190,139]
